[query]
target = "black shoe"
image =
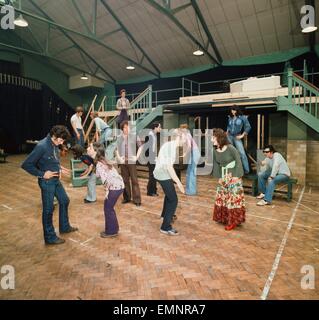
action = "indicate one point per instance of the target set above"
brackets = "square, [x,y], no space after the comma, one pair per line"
[72,229]
[57,241]
[153,194]
[138,204]
[88,201]
[126,201]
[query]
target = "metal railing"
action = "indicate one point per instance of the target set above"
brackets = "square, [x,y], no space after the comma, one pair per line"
[20,81]
[191,88]
[302,93]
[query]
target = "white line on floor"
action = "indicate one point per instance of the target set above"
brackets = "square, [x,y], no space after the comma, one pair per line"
[280,251]
[282,221]
[74,240]
[6,207]
[88,240]
[307,207]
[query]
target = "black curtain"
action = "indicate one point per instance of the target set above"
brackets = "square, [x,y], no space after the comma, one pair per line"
[29,114]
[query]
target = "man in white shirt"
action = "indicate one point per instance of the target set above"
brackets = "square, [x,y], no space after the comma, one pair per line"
[165,174]
[277,172]
[76,122]
[151,154]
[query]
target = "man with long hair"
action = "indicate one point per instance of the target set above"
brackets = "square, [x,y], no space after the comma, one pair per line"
[44,163]
[238,127]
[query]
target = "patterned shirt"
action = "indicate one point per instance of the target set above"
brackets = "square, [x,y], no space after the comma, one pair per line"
[110,177]
[123,103]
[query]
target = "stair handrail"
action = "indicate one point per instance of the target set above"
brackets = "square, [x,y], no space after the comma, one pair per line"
[144,98]
[90,110]
[301,79]
[86,136]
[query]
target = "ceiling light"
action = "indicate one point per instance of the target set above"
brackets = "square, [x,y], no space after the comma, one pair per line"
[198,53]
[130,67]
[309,29]
[21,22]
[84,77]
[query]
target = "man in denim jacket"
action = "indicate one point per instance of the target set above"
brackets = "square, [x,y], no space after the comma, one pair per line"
[44,163]
[238,126]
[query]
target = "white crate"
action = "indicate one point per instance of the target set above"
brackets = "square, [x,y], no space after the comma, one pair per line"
[256,84]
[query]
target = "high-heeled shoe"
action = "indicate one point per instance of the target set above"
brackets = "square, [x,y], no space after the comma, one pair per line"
[230,227]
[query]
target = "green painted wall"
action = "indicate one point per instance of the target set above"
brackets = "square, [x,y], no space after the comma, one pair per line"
[278,125]
[297,130]
[56,80]
[38,68]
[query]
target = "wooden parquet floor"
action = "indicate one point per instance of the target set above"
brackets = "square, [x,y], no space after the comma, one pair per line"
[203,262]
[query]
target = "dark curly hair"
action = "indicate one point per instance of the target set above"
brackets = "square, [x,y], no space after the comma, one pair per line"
[60,132]
[221,137]
[78,151]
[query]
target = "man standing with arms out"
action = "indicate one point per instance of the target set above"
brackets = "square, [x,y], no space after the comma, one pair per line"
[151,154]
[76,122]
[165,174]
[44,163]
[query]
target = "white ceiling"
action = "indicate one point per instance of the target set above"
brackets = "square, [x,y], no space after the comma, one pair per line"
[240,28]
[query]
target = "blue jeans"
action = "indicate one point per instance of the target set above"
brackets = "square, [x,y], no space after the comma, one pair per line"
[49,189]
[270,188]
[81,140]
[105,134]
[91,188]
[238,144]
[191,186]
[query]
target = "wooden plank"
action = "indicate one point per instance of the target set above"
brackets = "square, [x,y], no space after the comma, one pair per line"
[238,95]
[244,103]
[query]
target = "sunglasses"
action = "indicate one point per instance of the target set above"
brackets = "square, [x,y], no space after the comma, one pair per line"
[265,151]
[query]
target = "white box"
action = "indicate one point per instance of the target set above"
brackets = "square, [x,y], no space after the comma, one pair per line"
[256,84]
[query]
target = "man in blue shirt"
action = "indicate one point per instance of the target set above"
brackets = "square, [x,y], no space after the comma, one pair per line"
[44,163]
[238,127]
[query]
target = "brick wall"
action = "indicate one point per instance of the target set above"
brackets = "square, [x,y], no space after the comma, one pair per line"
[312,177]
[297,159]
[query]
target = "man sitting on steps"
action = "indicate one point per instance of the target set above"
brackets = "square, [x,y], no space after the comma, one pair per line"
[277,172]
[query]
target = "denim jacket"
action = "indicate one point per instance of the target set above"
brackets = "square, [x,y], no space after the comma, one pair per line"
[45,156]
[238,125]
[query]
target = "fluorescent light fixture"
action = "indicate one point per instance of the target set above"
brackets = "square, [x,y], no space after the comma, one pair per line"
[198,53]
[130,67]
[21,22]
[309,29]
[84,77]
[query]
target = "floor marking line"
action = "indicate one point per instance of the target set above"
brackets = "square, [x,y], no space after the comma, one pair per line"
[272,274]
[282,221]
[73,240]
[6,207]
[307,207]
[88,240]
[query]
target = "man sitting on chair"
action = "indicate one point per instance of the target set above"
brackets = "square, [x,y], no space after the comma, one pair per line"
[277,172]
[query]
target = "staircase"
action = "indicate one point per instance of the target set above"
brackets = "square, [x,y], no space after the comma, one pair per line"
[141,115]
[302,100]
